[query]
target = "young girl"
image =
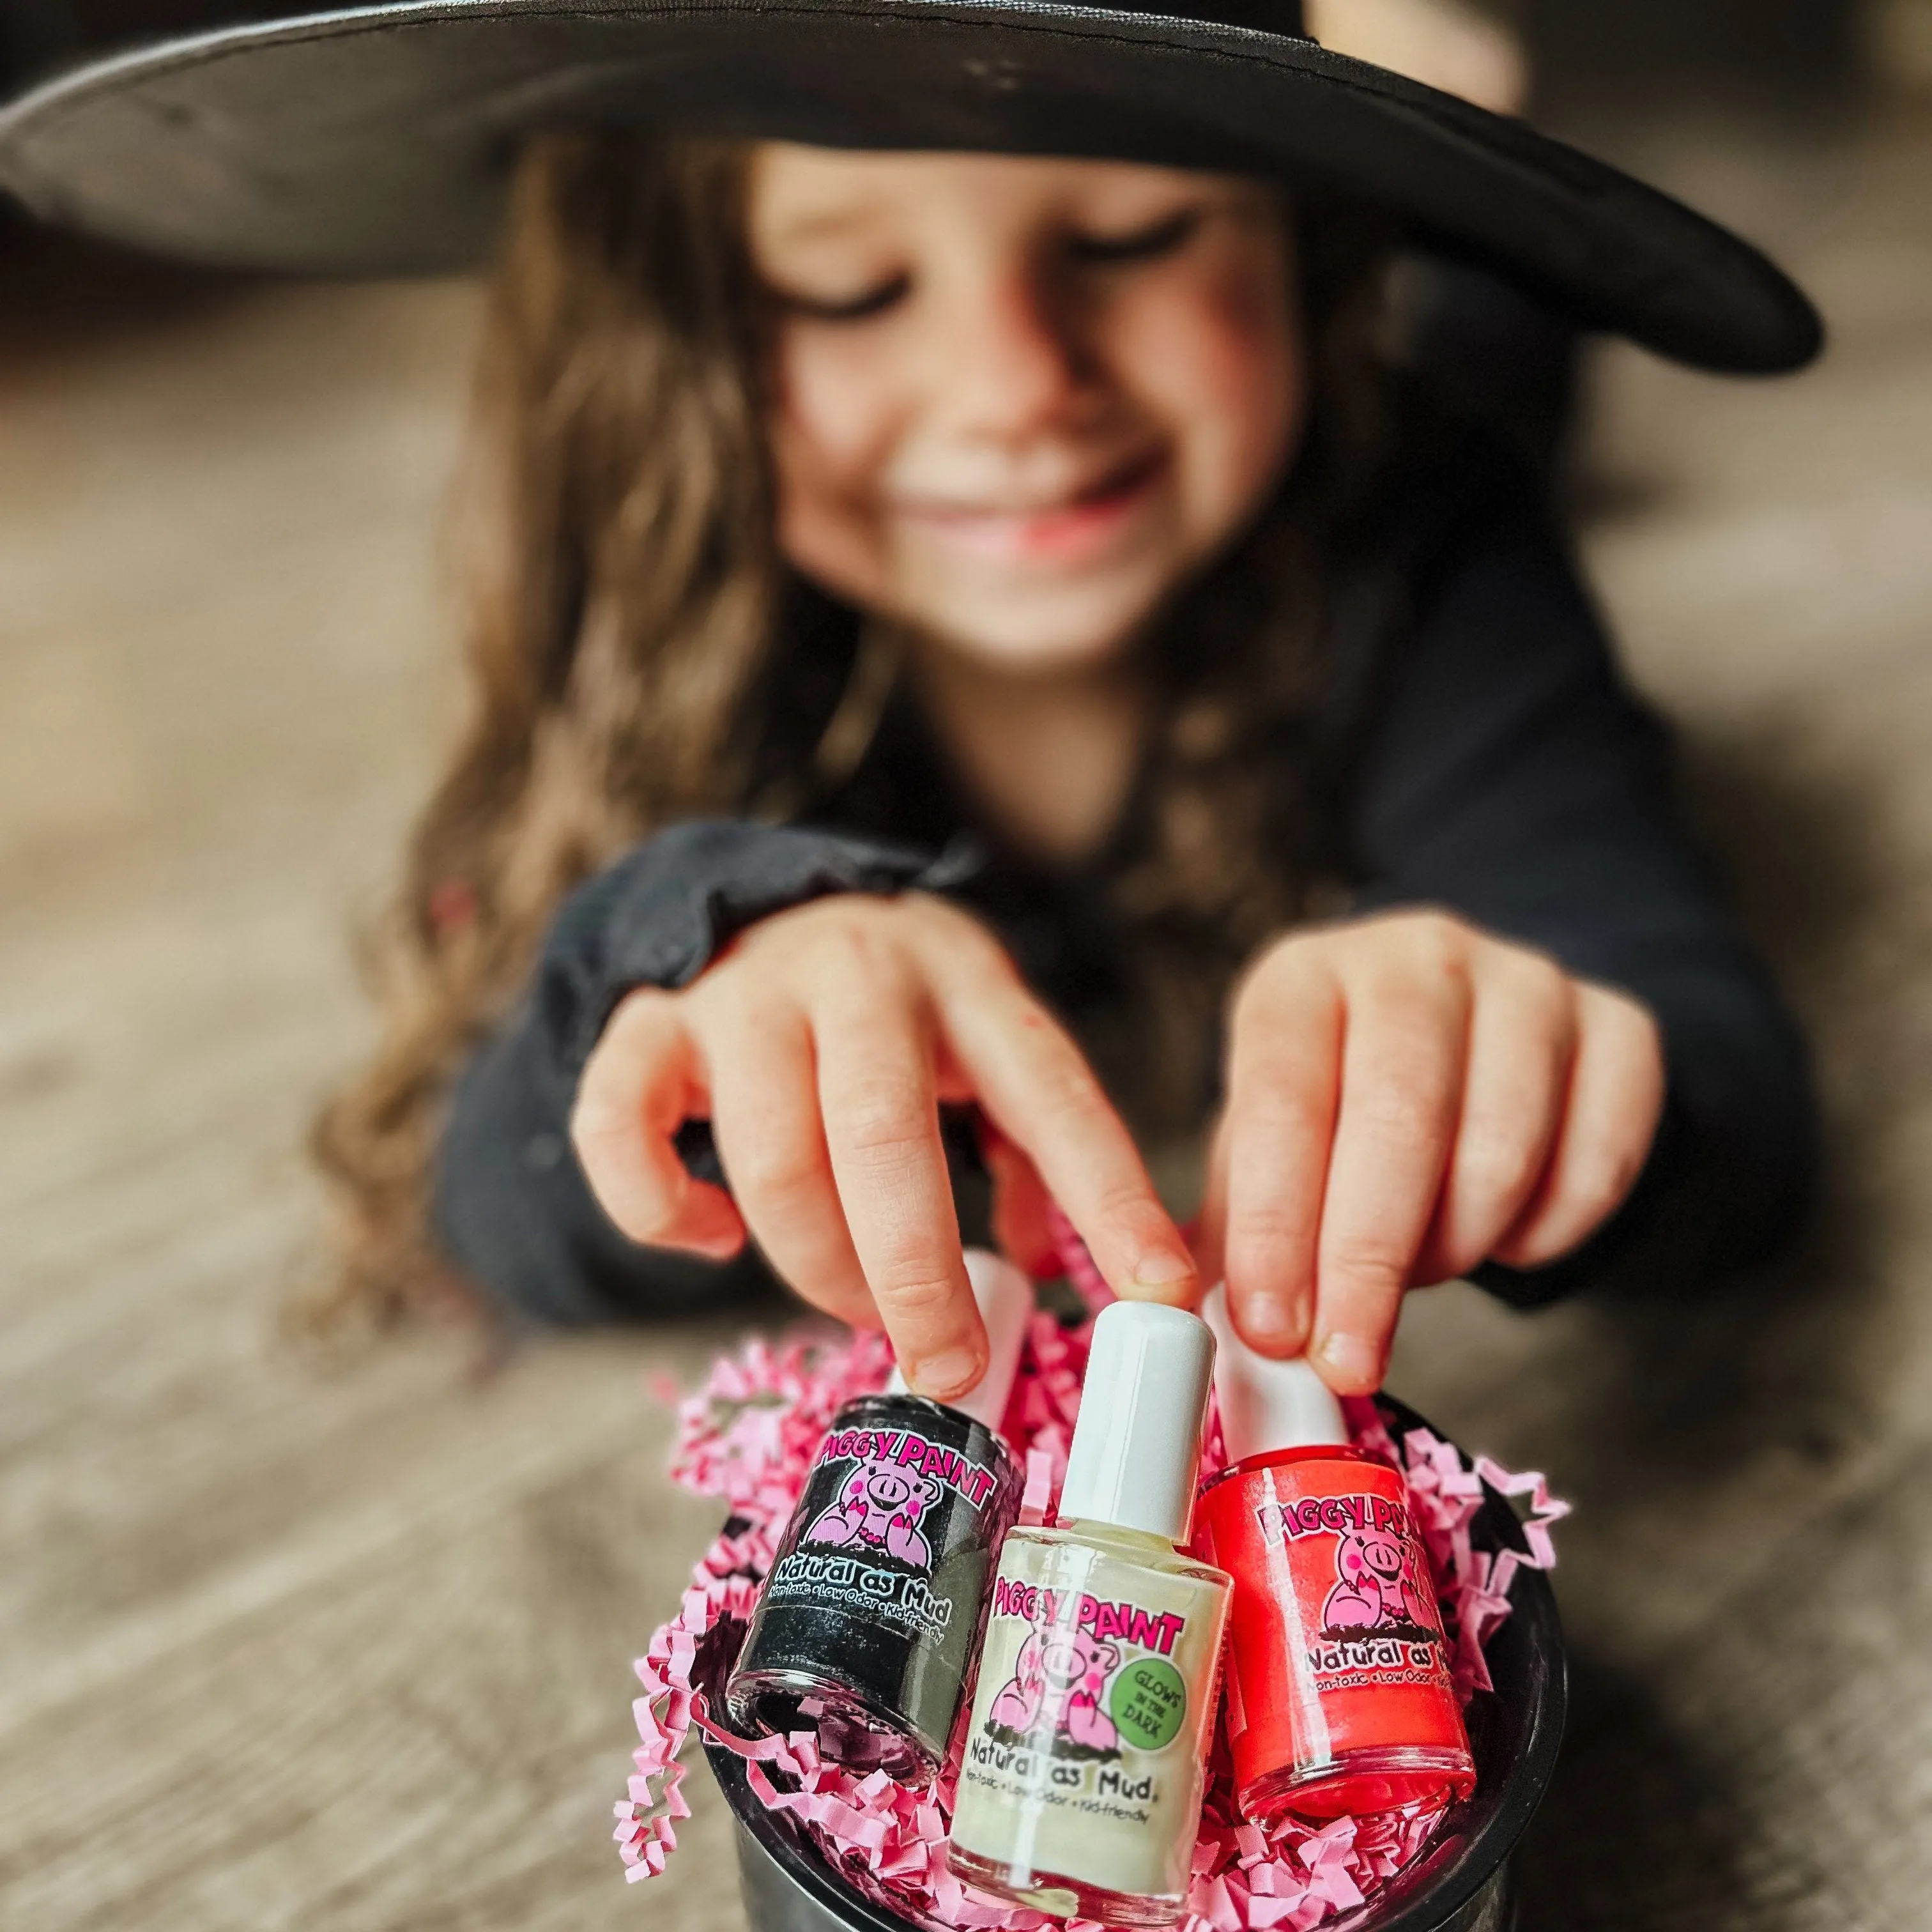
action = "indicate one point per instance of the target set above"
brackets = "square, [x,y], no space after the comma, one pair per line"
[957,625]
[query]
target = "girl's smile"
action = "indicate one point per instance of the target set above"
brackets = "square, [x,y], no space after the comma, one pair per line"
[1081,526]
[1014,402]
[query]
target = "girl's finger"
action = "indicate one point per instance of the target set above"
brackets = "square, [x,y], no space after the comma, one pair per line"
[1284,1081]
[1522,1034]
[1022,1228]
[765,1119]
[643,1080]
[1405,1036]
[1035,1085]
[881,1114]
[1615,1098]
[1209,1233]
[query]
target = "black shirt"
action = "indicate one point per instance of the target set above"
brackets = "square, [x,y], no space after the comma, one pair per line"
[1490,761]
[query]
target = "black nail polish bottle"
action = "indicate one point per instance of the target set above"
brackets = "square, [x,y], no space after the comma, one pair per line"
[869,1623]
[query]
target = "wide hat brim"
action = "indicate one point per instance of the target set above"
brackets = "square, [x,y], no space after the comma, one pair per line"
[378,140]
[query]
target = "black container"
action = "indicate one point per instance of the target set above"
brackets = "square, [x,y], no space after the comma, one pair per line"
[1460,1884]
[878,1617]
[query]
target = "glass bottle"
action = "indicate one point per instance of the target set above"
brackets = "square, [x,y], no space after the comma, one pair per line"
[1084,1762]
[870,1617]
[1339,1695]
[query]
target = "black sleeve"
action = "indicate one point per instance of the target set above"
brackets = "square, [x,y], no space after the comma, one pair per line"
[510,1204]
[1512,778]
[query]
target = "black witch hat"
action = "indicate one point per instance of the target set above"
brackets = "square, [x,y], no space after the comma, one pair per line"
[377,139]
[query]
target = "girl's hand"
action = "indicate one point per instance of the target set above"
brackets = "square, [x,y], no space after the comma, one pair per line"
[821,1044]
[1408,1096]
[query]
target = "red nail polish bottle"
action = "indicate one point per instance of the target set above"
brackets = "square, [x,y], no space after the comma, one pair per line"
[1338,1697]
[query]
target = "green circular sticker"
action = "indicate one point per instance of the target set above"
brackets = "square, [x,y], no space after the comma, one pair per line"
[1147,1702]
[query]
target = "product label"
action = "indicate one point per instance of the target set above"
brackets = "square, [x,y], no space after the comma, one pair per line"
[868,1588]
[876,1497]
[1336,1644]
[885,1481]
[1089,1727]
[1380,1570]
[876,1594]
[1071,1684]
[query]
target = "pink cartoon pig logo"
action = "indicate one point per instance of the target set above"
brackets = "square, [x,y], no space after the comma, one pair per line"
[880,1507]
[1059,1685]
[1377,1590]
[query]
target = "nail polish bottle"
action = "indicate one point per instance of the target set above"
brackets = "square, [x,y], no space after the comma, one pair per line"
[870,1618]
[1084,1761]
[1339,1696]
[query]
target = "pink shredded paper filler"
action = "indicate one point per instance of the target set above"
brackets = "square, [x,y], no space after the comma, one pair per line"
[749,1436]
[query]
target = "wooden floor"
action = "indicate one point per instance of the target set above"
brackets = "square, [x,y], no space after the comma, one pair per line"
[284,1645]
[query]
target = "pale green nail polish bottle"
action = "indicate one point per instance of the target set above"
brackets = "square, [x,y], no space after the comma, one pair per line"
[1085,1761]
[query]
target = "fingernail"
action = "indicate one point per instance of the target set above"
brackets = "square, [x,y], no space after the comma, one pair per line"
[1268,1325]
[1163,1270]
[1351,1357]
[940,1377]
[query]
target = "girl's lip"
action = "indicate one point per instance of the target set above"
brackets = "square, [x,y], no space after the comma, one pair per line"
[1069,530]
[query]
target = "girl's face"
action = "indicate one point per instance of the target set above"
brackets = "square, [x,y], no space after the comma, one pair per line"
[1017,401]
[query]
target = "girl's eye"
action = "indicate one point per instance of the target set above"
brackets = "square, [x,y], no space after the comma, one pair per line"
[868,302]
[1167,236]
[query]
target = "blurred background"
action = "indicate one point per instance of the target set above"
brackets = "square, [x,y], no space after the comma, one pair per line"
[346,1644]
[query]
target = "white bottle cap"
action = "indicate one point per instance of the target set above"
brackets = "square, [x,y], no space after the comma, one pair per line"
[1006,1302]
[1135,1458]
[1266,1404]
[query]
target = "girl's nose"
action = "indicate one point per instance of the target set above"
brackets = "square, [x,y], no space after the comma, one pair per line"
[1012,365]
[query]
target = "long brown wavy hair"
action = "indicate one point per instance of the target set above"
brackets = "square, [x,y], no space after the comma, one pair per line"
[636,653]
